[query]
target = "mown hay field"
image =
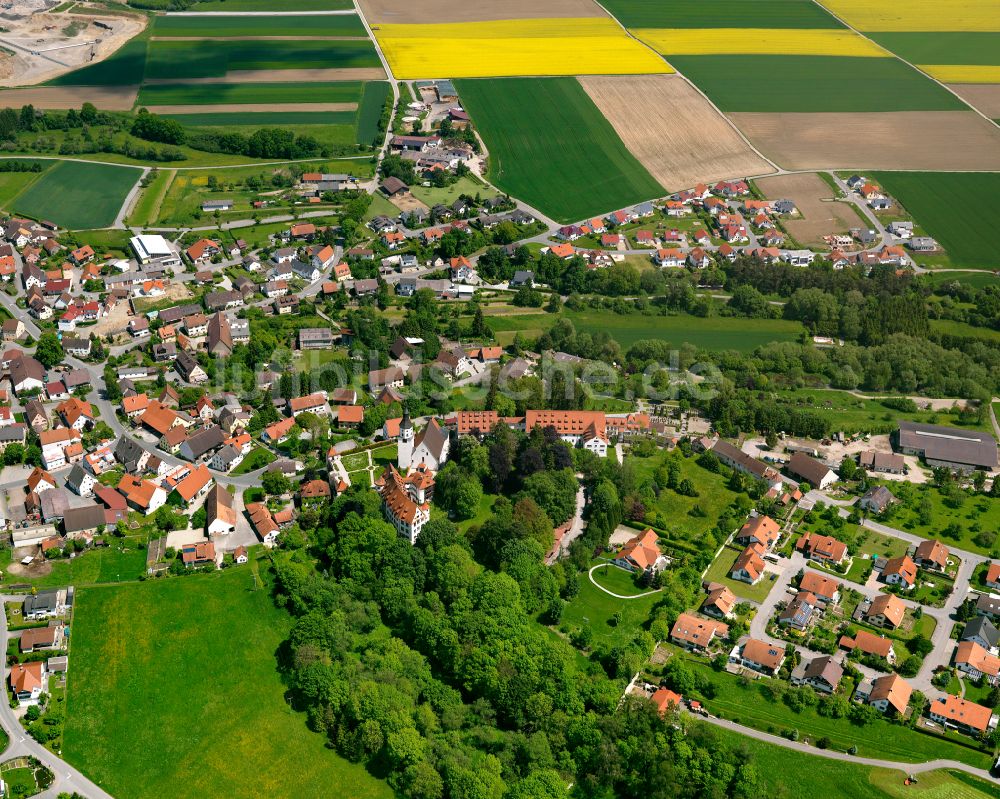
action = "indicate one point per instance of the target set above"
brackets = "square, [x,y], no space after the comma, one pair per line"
[918,15]
[763,41]
[550,146]
[958,227]
[672,129]
[778,83]
[78,195]
[211,94]
[306,26]
[731,13]
[594,46]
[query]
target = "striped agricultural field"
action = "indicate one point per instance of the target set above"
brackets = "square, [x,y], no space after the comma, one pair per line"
[759,41]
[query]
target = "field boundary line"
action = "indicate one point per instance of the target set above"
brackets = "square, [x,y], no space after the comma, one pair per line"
[910,64]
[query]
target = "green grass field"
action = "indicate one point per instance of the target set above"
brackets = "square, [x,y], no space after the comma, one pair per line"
[955,225]
[594,608]
[175,691]
[282,25]
[195,58]
[271,5]
[13,183]
[953,328]
[147,206]
[881,738]
[814,83]
[974,515]
[718,572]
[370,110]
[125,67]
[348,91]
[550,146]
[95,566]
[721,13]
[712,333]
[431,195]
[254,120]
[977,279]
[942,47]
[78,195]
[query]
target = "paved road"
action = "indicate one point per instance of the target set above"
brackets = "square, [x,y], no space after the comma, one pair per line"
[798,746]
[67,778]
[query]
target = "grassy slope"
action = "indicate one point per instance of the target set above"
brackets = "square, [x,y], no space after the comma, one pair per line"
[943,47]
[551,147]
[951,207]
[775,83]
[236,93]
[721,13]
[330,25]
[593,607]
[175,692]
[78,195]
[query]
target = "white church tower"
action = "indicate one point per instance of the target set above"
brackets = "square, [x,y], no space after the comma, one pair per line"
[405,447]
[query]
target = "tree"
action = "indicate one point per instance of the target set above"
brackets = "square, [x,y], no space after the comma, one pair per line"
[467,497]
[13,454]
[49,352]
[275,483]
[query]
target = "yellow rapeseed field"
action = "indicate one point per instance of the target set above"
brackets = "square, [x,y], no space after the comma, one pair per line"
[918,15]
[507,48]
[962,73]
[758,41]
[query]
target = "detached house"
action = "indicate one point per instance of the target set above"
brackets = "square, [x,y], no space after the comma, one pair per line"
[642,554]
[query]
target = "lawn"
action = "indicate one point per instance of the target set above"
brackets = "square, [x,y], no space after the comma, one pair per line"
[145,211]
[306,26]
[594,608]
[95,566]
[950,327]
[348,91]
[781,770]
[194,58]
[881,738]
[550,146]
[373,101]
[431,195]
[814,84]
[672,511]
[618,581]
[977,279]
[78,195]
[718,572]
[256,459]
[184,671]
[721,13]
[13,183]
[711,333]
[971,526]
[925,195]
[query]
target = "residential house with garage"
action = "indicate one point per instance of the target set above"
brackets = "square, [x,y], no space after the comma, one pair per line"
[696,634]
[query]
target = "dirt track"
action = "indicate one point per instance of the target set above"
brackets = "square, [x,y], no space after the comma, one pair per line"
[281,108]
[984,96]
[930,140]
[64,97]
[674,131]
[284,76]
[812,195]
[415,11]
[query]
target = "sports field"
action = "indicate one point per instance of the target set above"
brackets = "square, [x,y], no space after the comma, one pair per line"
[589,46]
[78,195]
[348,91]
[550,146]
[777,83]
[306,26]
[175,691]
[928,196]
[732,13]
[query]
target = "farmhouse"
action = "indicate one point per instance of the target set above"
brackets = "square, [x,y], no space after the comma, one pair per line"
[817,474]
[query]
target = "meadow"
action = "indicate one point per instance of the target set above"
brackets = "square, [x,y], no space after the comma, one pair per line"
[147,207]
[594,608]
[373,100]
[194,58]
[78,195]
[254,119]
[93,567]
[929,198]
[175,691]
[589,46]
[551,147]
[814,83]
[713,333]
[733,13]
[311,26]
[348,91]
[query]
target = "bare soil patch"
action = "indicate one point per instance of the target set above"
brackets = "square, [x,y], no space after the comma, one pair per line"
[984,96]
[281,108]
[408,203]
[284,76]
[27,32]
[107,98]
[415,11]
[39,567]
[919,140]
[820,214]
[673,130]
